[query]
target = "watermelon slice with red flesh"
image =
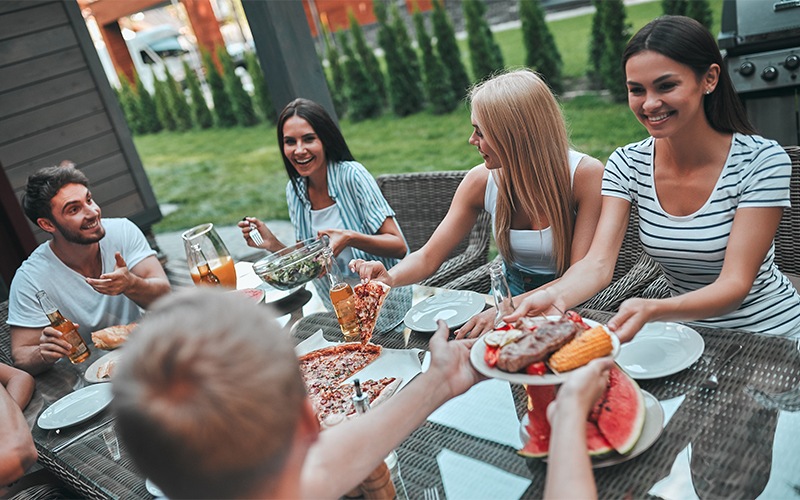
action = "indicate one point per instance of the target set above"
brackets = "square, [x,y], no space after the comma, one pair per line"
[620,412]
[539,396]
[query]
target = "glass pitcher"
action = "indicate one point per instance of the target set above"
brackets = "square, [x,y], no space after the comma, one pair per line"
[213,250]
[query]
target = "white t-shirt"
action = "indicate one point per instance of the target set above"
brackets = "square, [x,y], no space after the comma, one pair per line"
[532,249]
[331,218]
[68,289]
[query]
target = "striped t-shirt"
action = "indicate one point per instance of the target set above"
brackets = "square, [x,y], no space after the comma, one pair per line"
[691,249]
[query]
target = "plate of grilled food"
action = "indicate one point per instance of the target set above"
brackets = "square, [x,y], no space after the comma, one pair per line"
[542,350]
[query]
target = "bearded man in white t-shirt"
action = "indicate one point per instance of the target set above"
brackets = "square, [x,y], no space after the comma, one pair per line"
[99,272]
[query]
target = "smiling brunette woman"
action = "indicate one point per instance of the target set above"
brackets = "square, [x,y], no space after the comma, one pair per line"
[329,192]
[710,196]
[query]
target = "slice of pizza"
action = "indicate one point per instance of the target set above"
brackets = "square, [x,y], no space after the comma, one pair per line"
[337,363]
[369,300]
[331,399]
[112,337]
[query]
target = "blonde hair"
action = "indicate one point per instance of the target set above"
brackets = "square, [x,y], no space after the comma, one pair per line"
[520,118]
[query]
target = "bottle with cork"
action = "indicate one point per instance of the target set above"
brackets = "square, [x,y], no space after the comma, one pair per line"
[79,351]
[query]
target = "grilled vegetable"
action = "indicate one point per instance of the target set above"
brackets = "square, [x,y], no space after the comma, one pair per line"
[590,344]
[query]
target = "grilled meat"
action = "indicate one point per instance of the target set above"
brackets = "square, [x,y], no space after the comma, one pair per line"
[536,345]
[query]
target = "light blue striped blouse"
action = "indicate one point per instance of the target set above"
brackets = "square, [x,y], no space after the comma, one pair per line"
[691,249]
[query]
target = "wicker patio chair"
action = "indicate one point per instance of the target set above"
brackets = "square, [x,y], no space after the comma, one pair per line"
[5,335]
[421,201]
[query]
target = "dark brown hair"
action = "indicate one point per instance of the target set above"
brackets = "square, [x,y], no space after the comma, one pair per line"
[44,184]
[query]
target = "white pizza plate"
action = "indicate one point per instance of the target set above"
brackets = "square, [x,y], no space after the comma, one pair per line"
[476,356]
[455,307]
[653,425]
[247,278]
[660,349]
[76,407]
[91,371]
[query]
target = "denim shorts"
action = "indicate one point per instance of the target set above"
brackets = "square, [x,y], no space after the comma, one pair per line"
[520,281]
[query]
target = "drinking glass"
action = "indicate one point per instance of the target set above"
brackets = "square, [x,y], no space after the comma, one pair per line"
[215,252]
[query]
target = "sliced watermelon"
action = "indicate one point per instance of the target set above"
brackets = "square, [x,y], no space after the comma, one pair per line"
[596,444]
[539,397]
[621,411]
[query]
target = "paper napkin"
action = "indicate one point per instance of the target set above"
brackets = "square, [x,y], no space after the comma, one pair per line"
[486,411]
[464,477]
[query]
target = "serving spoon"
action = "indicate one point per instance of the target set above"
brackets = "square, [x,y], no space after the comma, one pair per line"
[712,382]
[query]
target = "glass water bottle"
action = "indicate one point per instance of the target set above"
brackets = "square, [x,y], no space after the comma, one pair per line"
[501,293]
[342,298]
[206,275]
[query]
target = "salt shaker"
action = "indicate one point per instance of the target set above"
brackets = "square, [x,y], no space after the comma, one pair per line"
[501,293]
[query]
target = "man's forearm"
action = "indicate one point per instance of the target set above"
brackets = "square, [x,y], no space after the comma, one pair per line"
[17,451]
[145,291]
[20,388]
[29,358]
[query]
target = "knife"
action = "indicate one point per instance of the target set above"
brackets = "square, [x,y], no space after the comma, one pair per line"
[83,434]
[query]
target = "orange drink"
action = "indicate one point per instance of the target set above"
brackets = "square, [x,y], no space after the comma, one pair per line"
[222,268]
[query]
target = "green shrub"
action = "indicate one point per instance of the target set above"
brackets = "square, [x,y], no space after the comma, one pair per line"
[362,94]
[696,9]
[129,104]
[223,109]
[449,53]
[337,83]
[181,112]
[261,97]
[201,115]
[541,52]
[484,53]
[437,88]
[147,109]
[596,47]
[163,108]
[242,104]
[404,92]
[367,55]
[616,32]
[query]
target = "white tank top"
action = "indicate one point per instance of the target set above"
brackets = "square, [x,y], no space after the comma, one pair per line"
[330,218]
[532,249]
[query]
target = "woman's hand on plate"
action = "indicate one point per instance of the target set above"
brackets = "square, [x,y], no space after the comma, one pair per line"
[478,325]
[371,270]
[632,316]
[538,302]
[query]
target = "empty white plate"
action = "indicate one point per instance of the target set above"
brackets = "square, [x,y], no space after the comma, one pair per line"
[76,407]
[660,349]
[455,307]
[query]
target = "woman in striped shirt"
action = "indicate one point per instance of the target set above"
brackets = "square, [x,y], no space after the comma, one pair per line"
[329,192]
[710,195]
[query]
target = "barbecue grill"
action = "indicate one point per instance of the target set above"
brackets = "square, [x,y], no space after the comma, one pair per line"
[761,41]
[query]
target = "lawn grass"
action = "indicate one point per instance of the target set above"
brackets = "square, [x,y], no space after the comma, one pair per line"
[220,175]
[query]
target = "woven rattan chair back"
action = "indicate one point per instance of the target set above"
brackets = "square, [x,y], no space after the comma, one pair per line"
[420,201]
[5,335]
[788,235]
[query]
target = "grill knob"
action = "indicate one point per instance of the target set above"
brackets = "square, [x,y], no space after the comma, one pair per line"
[747,68]
[792,62]
[769,74]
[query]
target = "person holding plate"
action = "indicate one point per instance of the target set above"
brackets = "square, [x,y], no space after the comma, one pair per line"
[544,197]
[710,195]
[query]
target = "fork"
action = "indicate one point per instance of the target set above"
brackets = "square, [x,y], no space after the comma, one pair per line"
[254,234]
[431,493]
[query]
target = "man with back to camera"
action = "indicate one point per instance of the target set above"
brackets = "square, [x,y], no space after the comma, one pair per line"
[99,272]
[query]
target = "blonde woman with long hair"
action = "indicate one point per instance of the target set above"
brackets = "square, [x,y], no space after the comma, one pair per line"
[544,198]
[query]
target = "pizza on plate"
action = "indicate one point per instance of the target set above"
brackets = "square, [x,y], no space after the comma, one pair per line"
[112,337]
[325,370]
[369,300]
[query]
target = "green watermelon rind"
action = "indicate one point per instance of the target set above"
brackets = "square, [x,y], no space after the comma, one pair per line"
[622,444]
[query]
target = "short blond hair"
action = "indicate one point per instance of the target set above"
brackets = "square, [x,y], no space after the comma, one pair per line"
[208,395]
[523,122]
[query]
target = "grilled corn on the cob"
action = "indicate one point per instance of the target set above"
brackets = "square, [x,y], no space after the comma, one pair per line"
[591,344]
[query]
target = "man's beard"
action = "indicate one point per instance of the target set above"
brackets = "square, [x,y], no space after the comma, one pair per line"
[77,238]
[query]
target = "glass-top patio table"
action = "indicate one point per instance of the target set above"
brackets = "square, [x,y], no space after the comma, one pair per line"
[739,440]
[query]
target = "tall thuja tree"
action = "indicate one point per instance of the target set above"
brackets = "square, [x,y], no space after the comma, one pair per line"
[616,32]
[177,102]
[337,83]
[242,104]
[449,53]
[406,49]
[261,96]
[163,108]
[674,7]
[201,115]
[223,109]
[542,53]
[367,55]
[596,46]
[404,92]
[129,104]
[362,94]
[484,53]
[147,109]
[437,88]
[701,11]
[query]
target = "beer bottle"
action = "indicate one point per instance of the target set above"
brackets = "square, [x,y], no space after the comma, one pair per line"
[342,298]
[79,351]
[206,275]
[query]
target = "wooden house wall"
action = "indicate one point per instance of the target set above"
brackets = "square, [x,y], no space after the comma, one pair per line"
[56,104]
